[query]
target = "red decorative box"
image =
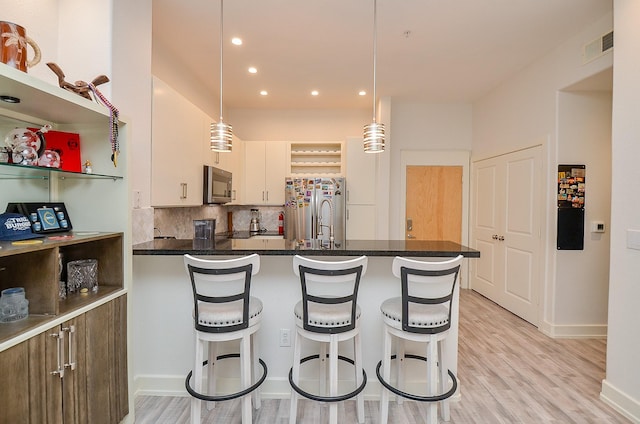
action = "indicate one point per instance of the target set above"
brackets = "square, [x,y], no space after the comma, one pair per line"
[68,147]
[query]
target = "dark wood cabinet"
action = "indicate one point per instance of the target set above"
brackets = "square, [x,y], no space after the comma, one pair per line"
[74,373]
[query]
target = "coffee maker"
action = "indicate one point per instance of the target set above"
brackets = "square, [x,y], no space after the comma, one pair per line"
[254,225]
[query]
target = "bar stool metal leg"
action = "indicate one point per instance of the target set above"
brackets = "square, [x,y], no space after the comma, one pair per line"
[432,379]
[386,371]
[443,380]
[197,373]
[245,375]
[211,372]
[400,367]
[256,398]
[357,347]
[333,378]
[293,408]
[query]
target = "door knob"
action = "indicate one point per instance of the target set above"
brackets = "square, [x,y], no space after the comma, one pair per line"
[409,236]
[495,237]
[409,224]
[501,238]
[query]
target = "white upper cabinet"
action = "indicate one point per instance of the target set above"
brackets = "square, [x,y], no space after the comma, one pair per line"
[265,170]
[178,136]
[361,191]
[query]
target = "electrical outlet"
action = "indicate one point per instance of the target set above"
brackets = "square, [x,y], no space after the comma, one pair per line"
[136,199]
[285,337]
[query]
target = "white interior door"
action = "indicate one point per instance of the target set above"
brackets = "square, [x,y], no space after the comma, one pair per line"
[507,230]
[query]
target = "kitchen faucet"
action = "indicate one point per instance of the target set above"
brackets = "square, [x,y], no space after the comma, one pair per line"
[320,225]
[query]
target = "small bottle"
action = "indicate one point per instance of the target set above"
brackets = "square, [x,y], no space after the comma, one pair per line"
[87,167]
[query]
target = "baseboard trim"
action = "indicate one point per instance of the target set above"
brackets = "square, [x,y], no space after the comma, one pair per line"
[598,331]
[272,388]
[620,401]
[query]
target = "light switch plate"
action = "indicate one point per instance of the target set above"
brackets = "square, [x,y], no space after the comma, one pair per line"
[633,239]
[597,226]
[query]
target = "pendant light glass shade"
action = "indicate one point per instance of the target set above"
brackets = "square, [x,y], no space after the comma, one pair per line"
[374,138]
[374,132]
[221,137]
[221,133]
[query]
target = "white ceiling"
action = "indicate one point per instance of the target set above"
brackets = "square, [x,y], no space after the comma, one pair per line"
[456,51]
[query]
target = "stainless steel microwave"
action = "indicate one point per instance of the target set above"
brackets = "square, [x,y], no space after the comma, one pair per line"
[217,185]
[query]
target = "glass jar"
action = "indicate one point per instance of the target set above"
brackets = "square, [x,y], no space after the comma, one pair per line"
[13,305]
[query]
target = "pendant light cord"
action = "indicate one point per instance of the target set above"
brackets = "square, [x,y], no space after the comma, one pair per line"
[375,43]
[221,46]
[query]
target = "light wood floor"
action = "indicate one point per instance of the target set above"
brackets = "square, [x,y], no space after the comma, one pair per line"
[510,373]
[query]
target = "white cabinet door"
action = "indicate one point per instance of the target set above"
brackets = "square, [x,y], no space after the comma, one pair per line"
[176,152]
[361,192]
[361,222]
[361,174]
[265,171]
[275,172]
[254,163]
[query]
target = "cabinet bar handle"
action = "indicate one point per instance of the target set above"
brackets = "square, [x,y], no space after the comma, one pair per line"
[59,336]
[263,196]
[234,195]
[267,195]
[71,360]
[184,190]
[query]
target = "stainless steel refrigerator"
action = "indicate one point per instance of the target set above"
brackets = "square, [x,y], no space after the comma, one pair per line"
[315,210]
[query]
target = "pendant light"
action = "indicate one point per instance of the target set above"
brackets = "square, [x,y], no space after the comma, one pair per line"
[374,132]
[221,133]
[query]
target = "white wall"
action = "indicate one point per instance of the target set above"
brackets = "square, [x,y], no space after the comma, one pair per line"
[523,110]
[422,126]
[584,137]
[40,20]
[621,386]
[297,125]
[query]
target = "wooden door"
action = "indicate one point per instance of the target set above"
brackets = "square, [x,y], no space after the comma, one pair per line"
[74,393]
[14,390]
[105,379]
[434,203]
[507,230]
[100,378]
[45,388]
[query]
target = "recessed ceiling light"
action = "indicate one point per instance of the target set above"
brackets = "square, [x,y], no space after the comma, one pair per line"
[237,41]
[9,99]
[263,93]
[362,93]
[253,70]
[315,93]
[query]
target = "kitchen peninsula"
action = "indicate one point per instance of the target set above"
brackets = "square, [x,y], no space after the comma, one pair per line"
[162,324]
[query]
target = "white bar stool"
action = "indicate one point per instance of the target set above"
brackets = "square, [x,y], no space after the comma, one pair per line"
[421,314]
[328,313]
[225,311]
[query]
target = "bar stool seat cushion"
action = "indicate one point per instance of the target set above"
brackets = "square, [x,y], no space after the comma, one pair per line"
[421,315]
[326,315]
[226,314]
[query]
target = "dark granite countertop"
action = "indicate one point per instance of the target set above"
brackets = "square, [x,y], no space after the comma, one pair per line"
[281,247]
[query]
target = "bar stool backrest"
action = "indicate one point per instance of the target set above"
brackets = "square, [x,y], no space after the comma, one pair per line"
[224,283]
[329,288]
[426,283]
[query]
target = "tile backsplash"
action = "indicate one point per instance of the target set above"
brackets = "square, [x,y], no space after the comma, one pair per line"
[178,222]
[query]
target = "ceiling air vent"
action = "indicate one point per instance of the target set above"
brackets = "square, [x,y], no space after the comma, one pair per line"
[597,47]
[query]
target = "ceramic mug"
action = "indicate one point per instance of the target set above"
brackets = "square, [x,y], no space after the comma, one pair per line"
[13,47]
